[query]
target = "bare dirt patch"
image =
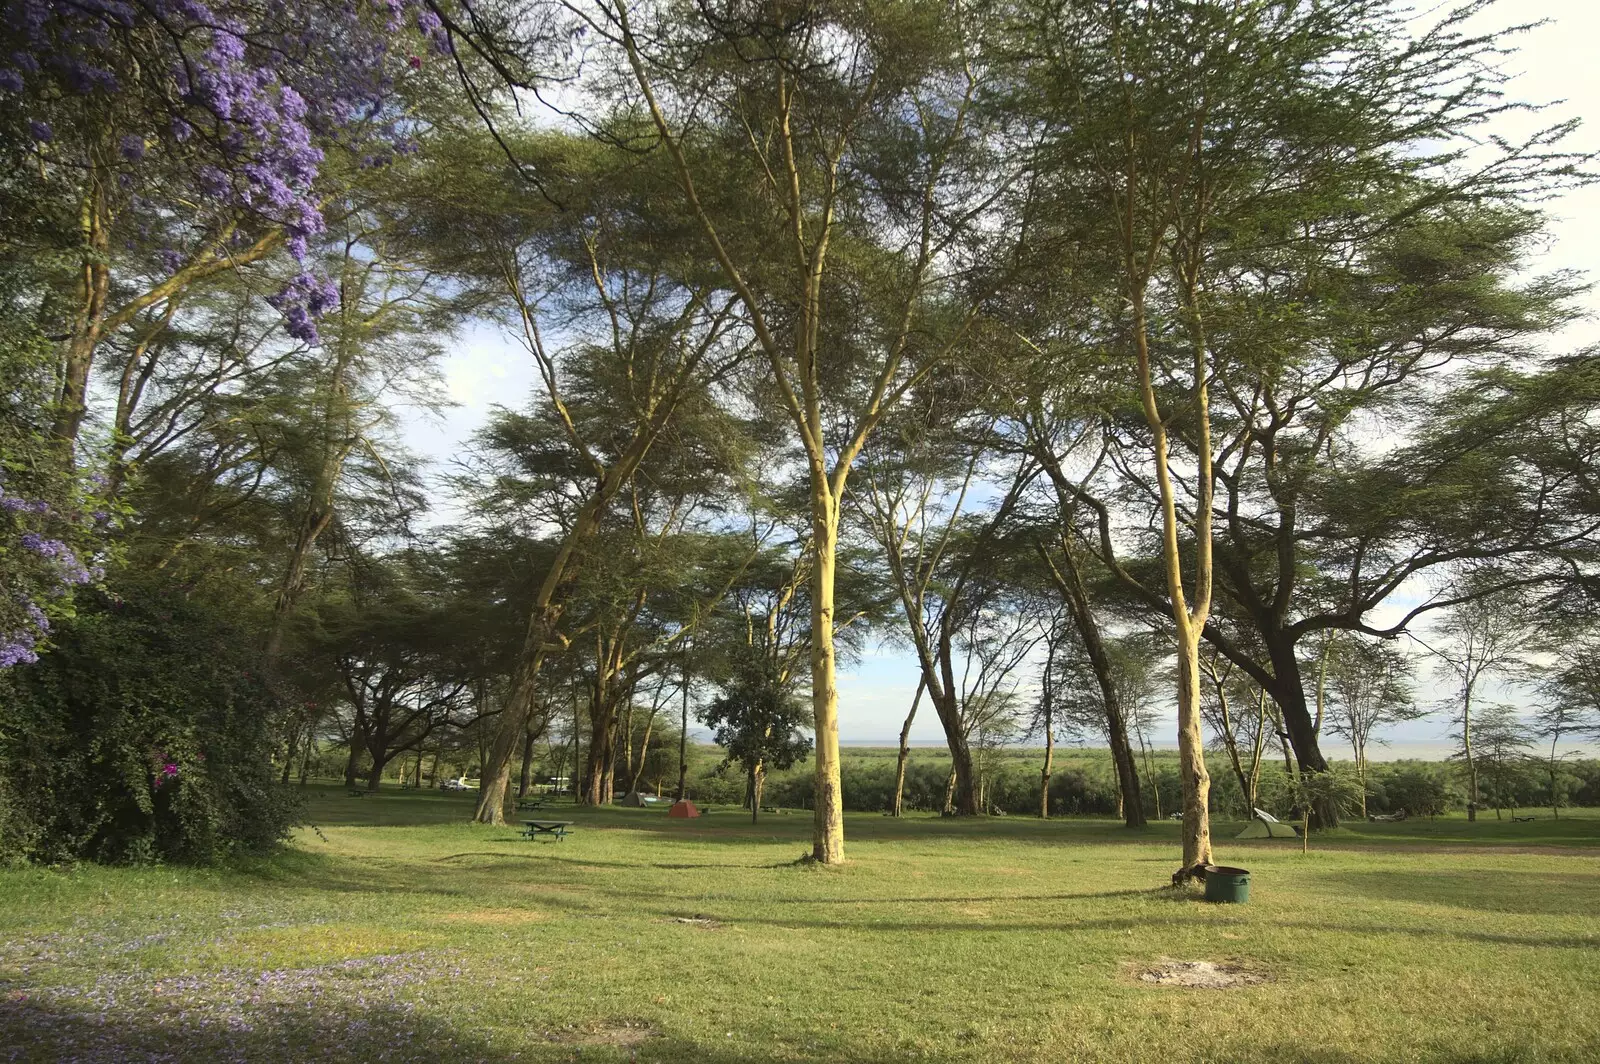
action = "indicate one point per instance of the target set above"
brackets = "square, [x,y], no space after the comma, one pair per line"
[1204,975]
[696,920]
[493,916]
[614,1032]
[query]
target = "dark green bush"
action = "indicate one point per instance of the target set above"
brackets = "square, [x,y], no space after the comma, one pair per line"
[143,735]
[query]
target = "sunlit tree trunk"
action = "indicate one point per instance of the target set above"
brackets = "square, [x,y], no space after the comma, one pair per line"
[828,825]
[896,804]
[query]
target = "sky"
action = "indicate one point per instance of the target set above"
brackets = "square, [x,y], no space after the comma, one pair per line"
[1555,65]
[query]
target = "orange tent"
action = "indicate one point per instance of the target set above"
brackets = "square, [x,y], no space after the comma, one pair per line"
[683,808]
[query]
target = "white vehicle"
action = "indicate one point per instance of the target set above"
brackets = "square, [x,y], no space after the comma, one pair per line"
[459,784]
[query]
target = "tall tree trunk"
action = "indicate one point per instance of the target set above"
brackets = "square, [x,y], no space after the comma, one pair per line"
[827,836]
[1150,772]
[644,747]
[1230,740]
[1191,755]
[683,733]
[896,805]
[946,703]
[949,793]
[1069,581]
[525,777]
[288,754]
[315,521]
[609,690]
[542,621]
[352,762]
[1044,773]
[625,735]
[1288,691]
[89,315]
[378,750]
[1466,748]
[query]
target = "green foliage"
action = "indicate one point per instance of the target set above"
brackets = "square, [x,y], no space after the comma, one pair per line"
[1420,790]
[757,719]
[145,735]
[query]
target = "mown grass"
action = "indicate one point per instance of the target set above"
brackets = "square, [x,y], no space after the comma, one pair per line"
[402,933]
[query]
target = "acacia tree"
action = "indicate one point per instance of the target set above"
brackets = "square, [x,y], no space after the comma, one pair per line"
[837,168]
[1333,262]
[1064,559]
[1481,638]
[597,293]
[1370,691]
[1557,720]
[757,720]
[1243,734]
[939,555]
[1503,740]
[1155,115]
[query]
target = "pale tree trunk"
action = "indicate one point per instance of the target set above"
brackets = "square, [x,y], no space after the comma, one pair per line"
[1188,620]
[827,843]
[1191,755]
[289,753]
[1049,736]
[1150,771]
[1361,775]
[338,438]
[644,747]
[1044,773]
[896,805]
[795,363]
[1555,798]
[611,688]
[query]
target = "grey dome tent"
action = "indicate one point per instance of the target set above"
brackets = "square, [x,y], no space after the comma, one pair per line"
[1267,826]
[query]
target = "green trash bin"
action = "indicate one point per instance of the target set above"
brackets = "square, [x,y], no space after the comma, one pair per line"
[1227,884]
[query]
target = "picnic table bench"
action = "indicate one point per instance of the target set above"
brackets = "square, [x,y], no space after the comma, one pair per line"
[530,803]
[539,829]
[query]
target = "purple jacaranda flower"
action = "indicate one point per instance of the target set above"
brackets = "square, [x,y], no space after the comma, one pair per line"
[40,131]
[10,80]
[132,147]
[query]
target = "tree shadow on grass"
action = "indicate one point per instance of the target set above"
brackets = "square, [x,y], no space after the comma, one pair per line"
[45,1029]
[1536,893]
[1453,932]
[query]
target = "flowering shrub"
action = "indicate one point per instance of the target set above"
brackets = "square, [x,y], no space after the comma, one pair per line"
[39,570]
[142,735]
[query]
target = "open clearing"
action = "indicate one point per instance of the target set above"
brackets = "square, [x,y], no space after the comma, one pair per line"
[410,936]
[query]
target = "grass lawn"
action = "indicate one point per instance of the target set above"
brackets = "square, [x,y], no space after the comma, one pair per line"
[402,933]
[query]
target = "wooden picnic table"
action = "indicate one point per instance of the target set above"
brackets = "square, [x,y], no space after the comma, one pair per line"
[538,829]
[530,803]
